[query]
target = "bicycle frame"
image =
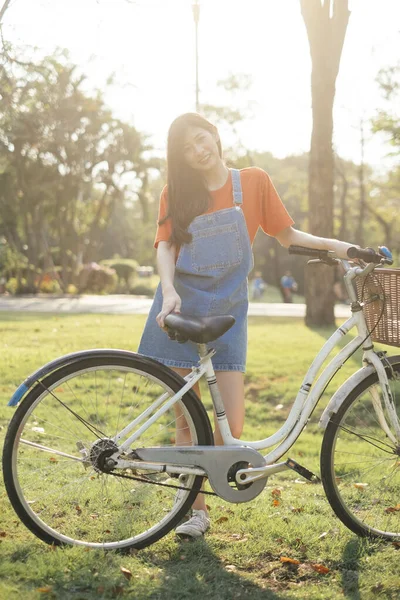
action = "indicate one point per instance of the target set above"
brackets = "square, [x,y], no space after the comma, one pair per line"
[308,395]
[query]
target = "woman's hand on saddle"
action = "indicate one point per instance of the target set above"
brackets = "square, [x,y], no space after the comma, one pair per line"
[171,303]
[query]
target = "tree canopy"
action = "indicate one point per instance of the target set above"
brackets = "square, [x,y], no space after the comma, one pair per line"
[66,163]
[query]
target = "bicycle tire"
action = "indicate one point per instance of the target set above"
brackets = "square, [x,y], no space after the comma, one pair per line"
[86,507]
[360,464]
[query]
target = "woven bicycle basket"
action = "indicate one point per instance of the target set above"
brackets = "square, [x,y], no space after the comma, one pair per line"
[380,291]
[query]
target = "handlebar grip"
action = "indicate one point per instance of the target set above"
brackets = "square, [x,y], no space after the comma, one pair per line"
[368,255]
[302,251]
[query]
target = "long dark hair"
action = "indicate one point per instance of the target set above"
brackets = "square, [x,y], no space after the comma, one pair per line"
[188,196]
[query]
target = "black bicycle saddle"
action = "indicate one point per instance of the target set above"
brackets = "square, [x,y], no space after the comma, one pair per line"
[197,329]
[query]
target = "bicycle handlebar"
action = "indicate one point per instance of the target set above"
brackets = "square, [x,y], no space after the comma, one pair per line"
[368,255]
[313,252]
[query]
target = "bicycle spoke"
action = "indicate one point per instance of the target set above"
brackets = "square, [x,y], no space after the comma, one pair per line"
[363,465]
[64,437]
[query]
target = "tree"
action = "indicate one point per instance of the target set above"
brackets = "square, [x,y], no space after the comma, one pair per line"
[66,163]
[385,205]
[387,121]
[231,115]
[326,24]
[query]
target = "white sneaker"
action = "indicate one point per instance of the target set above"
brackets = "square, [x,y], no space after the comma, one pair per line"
[195,527]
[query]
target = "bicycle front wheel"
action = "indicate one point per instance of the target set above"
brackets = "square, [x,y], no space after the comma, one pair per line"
[360,462]
[54,446]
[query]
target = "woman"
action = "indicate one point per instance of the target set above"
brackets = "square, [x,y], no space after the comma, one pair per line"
[208,218]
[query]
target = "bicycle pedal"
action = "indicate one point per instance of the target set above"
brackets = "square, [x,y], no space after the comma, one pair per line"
[292,464]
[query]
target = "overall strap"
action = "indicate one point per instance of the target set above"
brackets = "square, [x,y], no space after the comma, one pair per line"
[237,187]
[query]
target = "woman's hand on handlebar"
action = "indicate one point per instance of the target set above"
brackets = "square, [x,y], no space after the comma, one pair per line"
[369,255]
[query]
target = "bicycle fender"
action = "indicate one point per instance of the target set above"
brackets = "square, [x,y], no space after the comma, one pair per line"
[62,361]
[339,396]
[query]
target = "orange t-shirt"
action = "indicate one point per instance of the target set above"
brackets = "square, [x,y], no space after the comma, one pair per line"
[261,206]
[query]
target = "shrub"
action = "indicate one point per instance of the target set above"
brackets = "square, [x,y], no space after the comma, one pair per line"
[125,269]
[48,284]
[142,290]
[97,279]
[12,286]
[72,289]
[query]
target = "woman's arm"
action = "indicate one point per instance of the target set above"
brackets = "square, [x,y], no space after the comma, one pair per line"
[292,237]
[166,253]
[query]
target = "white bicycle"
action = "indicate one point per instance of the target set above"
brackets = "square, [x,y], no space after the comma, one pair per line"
[90,457]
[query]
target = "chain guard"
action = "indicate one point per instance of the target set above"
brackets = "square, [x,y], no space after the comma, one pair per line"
[218,462]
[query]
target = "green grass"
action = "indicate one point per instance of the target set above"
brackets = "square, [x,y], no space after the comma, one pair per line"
[241,556]
[273,295]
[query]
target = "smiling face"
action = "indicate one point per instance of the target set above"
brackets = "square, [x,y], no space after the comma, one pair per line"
[200,148]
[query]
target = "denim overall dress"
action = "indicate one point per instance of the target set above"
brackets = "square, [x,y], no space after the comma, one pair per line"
[211,278]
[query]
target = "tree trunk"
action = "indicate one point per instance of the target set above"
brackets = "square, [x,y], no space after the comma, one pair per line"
[326,25]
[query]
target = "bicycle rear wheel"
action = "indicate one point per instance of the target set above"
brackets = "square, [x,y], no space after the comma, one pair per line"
[360,463]
[60,430]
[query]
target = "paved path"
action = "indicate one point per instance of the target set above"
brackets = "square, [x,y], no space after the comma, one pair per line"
[125,304]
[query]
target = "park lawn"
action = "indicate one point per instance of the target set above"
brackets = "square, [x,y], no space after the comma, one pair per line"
[241,555]
[273,295]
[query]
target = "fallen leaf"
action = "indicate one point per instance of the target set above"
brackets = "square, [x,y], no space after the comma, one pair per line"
[275,502]
[361,486]
[3,534]
[276,493]
[52,459]
[222,519]
[296,510]
[392,509]
[126,573]
[319,568]
[117,590]
[292,561]
[46,589]
[239,537]
[324,534]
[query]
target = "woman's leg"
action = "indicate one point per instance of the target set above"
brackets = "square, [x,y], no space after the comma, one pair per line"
[231,387]
[182,434]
